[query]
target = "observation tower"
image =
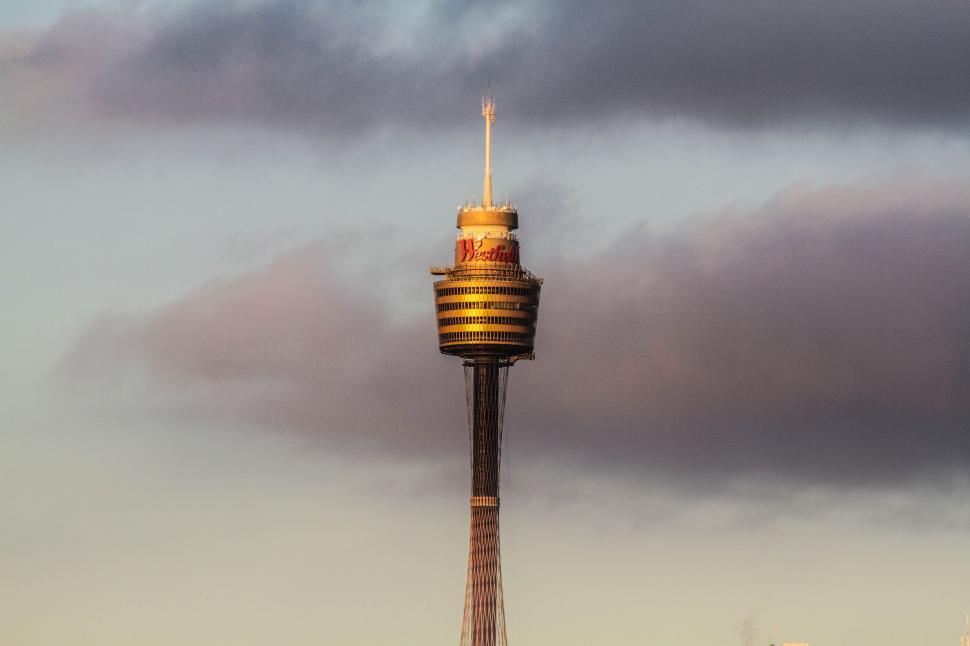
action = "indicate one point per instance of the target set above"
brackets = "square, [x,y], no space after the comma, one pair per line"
[486,305]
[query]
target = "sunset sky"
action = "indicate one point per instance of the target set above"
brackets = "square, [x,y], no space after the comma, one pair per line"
[224,419]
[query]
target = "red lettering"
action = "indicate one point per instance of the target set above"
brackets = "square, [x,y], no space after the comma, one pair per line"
[469,250]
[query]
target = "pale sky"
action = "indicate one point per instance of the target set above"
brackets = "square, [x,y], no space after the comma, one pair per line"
[224,419]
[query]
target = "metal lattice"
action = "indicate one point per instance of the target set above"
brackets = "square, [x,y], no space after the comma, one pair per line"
[483,621]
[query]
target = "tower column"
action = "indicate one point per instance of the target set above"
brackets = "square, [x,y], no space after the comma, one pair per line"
[483,622]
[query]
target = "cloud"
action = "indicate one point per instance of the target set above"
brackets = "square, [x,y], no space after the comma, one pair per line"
[289,347]
[347,67]
[822,338]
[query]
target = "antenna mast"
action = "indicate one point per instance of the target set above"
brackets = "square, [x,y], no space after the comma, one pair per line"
[488,112]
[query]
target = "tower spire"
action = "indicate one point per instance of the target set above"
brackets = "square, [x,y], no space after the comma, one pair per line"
[488,112]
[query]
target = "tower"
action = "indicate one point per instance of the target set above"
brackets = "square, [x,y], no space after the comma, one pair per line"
[486,305]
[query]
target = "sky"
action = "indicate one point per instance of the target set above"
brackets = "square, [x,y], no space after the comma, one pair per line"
[223,415]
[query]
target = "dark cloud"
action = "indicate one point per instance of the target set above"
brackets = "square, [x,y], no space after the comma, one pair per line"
[823,338]
[754,62]
[346,67]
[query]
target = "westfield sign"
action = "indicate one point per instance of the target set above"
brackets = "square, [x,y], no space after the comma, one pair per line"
[486,250]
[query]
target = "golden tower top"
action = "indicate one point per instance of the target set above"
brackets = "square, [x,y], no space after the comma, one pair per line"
[487,304]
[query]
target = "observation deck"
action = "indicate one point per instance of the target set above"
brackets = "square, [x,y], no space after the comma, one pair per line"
[488,303]
[487,312]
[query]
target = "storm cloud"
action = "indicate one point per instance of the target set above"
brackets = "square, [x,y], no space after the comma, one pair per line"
[347,67]
[823,337]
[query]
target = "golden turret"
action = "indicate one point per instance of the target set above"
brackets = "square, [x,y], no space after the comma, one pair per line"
[488,303]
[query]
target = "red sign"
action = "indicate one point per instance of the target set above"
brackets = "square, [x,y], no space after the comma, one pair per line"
[487,250]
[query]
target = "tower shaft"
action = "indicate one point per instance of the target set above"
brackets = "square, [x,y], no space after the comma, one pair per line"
[488,380]
[483,621]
